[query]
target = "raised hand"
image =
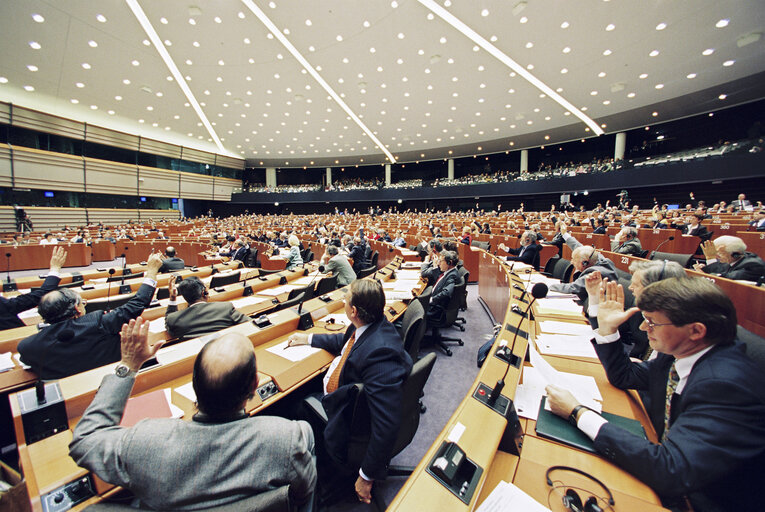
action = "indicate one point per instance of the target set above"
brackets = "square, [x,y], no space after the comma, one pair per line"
[710,251]
[611,312]
[57,259]
[592,282]
[134,343]
[171,288]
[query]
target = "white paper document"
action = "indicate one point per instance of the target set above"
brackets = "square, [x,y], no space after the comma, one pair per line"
[581,388]
[187,391]
[565,345]
[6,362]
[552,327]
[17,357]
[410,264]
[295,353]
[247,301]
[409,275]
[394,295]
[564,305]
[29,313]
[507,496]
[157,325]
[176,411]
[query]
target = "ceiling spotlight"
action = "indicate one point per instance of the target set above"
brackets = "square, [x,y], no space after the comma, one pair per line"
[661,26]
[722,23]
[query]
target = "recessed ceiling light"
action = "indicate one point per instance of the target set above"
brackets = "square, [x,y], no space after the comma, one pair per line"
[85,65]
[126,81]
[530,67]
[661,26]
[35,45]
[38,18]
[728,63]
[29,88]
[722,23]
[654,114]
[529,45]
[32,67]
[163,20]
[195,44]
[610,27]
[92,44]
[101,18]
[110,112]
[691,76]
[240,14]
[74,101]
[80,85]
[394,4]
[643,76]
[118,98]
[308,23]
[653,53]
[659,86]
[523,19]
[135,63]
[366,24]
[565,24]
[192,21]
[631,95]
[146,42]
[217,19]
[3,80]
[339,37]
[400,35]
[593,93]
[485,12]
[149,108]
[564,71]
[607,52]
[601,74]
[93,107]
[708,51]
[566,49]
[722,96]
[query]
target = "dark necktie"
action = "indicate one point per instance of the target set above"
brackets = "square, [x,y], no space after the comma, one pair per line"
[672,382]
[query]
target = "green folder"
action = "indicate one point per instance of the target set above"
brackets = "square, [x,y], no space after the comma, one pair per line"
[559,429]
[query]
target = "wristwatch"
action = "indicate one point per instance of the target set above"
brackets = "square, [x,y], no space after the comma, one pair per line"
[123,371]
[574,416]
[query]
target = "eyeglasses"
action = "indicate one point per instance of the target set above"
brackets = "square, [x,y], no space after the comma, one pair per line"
[652,325]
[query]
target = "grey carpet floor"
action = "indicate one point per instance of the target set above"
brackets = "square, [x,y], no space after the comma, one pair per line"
[450,381]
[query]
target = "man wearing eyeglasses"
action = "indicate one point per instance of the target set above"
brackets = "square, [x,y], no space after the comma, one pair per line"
[706,397]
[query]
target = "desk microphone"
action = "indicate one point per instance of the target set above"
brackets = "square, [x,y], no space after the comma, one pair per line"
[8,267]
[659,246]
[538,291]
[109,288]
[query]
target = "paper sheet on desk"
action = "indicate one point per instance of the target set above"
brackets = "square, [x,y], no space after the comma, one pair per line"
[411,264]
[295,354]
[273,292]
[392,296]
[559,304]
[564,345]
[581,388]
[29,313]
[6,362]
[247,301]
[17,357]
[410,275]
[340,318]
[568,328]
[507,496]
[157,325]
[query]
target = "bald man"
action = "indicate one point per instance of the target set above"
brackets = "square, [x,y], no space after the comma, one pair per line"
[171,262]
[220,457]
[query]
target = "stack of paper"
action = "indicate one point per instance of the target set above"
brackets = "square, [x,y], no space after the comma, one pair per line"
[507,496]
[6,362]
[564,345]
[294,353]
[273,292]
[394,295]
[247,301]
[571,329]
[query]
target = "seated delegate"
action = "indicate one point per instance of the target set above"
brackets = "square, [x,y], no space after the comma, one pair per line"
[707,398]
[220,457]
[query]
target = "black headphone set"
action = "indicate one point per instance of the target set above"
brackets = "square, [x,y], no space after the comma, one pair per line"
[663,267]
[572,500]
[586,263]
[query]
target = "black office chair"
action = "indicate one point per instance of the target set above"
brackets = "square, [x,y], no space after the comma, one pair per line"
[308,256]
[550,265]
[262,272]
[413,328]
[308,292]
[424,299]
[325,285]
[486,246]
[102,304]
[218,281]
[683,259]
[364,272]
[163,293]
[460,321]
[360,423]
[447,320]
[275,500]
[288,303]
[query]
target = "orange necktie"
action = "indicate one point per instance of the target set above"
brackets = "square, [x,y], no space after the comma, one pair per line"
[334,379]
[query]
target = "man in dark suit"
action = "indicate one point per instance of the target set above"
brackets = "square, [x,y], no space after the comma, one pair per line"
[238,252]
[444,286]
[76,341]
[171,262]
[200,317]
[759,221]
[357,254]
[741,203]
[626,241]
[527,252]
[693,226]
[727,256]
[10,308]
[601,227]
[707,398]
[370,352]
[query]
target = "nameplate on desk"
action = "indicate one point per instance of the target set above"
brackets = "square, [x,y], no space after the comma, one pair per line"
[512,330]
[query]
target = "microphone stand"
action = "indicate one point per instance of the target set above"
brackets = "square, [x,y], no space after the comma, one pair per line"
[8,267]
[109,289]
[659,246]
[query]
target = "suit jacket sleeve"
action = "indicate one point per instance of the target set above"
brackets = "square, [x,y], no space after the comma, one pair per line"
[621,372]
[30,300]
[441,298]
[714,434]
[332,343]
[113,320]
[237,316]
[98,440]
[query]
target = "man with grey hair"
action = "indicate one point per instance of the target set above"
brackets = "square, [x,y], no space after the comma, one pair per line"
[626,241]
[727,257]
[338,264]
[528,252]
[586,259]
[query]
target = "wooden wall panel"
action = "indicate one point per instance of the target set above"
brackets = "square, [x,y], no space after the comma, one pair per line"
[158,182]
[47,170]
[158,215]
[155,147]
[198,156]
[227,161]
[47,219]
[40,121]
[111,216]
[104,177]
[112,138]
[196,186]
[224,187]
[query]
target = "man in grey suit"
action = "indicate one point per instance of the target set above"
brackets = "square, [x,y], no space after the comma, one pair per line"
[200,317]
[626,241]
[220,457]
[337,264]
[172,262]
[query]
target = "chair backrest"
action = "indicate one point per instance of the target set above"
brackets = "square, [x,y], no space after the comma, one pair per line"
[306,291]
[101,304]
[410,413]
[561,266]
[251,260]
[308,256]
[412,328]
[481,245]
[326,285]
[163,293]
[755,346]
[275,500]
[424,298]
[364,272]
[224,280]
[374,258]
[550,265]
[537,258]
[289,303]
[683,259]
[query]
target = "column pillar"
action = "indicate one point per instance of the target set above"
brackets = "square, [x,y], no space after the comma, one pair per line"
[329,176]
[387,175]
[450,169]
[524,160]
[620,146]
[270,176]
